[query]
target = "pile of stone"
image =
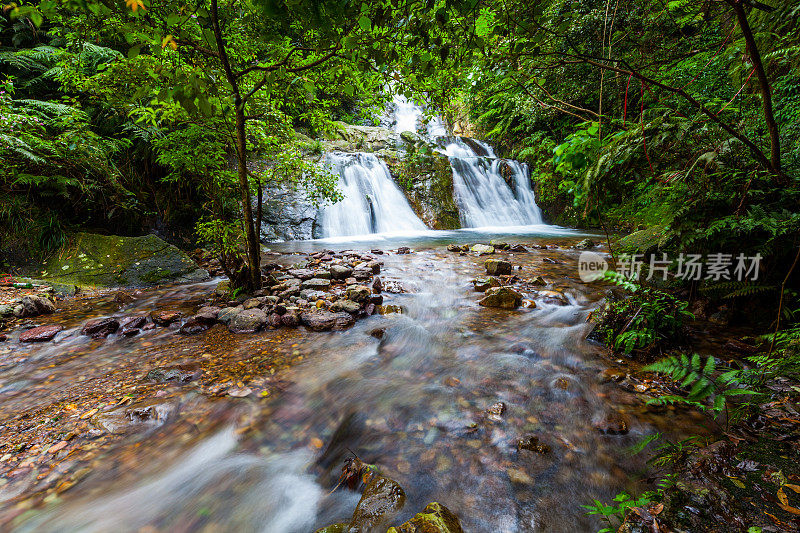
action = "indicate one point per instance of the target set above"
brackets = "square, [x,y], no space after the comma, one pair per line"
[327,291]
[28,306]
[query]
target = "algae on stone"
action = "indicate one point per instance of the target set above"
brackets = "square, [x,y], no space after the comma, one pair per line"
[110,261]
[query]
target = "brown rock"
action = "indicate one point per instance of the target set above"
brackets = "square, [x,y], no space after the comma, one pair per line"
[164,318]
[40,334]
[100,327]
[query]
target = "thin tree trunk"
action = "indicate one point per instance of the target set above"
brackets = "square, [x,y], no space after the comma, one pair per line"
[763,82]
[251,241]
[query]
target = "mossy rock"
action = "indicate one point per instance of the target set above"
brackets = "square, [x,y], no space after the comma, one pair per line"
[333,528]
[113,261]
[427,181]
[436,518]
[643,240]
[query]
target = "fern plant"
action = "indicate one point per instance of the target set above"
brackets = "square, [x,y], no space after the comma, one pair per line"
[709,384]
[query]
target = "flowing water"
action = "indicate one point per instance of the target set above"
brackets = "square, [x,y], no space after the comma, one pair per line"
[372,202]
[413,403]
[483,196]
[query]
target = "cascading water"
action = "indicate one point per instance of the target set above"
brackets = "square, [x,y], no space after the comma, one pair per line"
[484,198]
[372,201]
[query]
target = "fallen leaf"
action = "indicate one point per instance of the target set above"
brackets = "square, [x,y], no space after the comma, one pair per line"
[789,509]
[782,497]
[793,487]
[317,443]
[87,414]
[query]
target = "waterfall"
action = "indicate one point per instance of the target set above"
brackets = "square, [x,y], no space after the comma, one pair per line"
[372,201]
[484,198]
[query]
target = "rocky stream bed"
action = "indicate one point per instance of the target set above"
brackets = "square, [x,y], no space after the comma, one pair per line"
[461,373]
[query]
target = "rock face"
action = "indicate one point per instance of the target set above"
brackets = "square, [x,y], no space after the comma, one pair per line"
[288,214]
[502,297]
[110,261]
[497,267]
[426,179]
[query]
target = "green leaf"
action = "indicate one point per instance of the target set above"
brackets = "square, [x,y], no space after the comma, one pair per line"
[365,23]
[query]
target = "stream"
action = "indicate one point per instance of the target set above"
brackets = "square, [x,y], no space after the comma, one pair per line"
[413,402]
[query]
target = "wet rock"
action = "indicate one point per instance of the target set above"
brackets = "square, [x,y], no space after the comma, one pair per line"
[393,287]
[340,272]
[358,293]
[195,325]
[495,411]
[6,310]
[537,280]
[348,306]
[381,500]
[100,327]
[518,248]
[498,245]
[369,309]
[37,305]
[208,313]
[482,249]
[275,320]
[453,248]
[403,250]
[333,528]
[132,325]
[326,320]
[302,273]
[531,443]
[316,284]
[177,373]
[248,321]
[585,244]
[313,295]
[612,424]
[251,303]
[322,274]
[227,314]
[40,334]
[362,274]
[482,284]
[389,309]
[290,320]
[164,318]
[377,286]
[435,518]
[497,267]
[502,297]
[3,337]
[223,289]
[375,299]
[378,333]
[553,298]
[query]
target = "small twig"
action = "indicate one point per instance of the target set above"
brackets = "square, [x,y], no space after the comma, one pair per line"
[780,302]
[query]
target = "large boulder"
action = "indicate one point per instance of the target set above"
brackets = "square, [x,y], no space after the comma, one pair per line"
[503,297]
[111,261]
